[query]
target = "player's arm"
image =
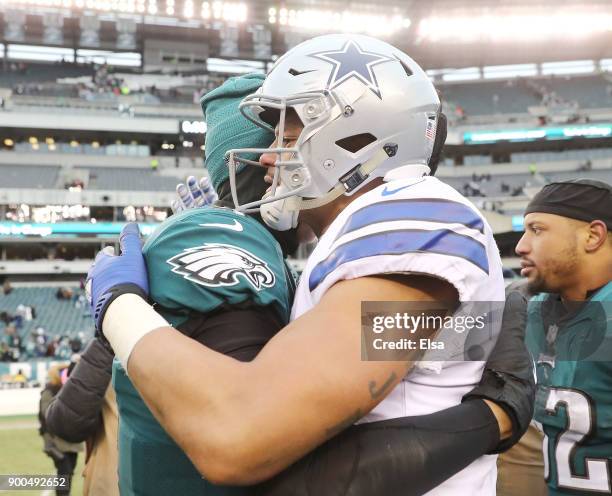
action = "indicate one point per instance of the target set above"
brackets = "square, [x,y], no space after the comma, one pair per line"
[74,413]
[413,455]
[243,422]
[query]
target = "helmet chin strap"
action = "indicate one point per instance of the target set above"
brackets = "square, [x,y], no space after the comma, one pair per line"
[364,170]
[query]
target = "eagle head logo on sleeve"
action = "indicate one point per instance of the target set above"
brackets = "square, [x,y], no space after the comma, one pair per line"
[214,264]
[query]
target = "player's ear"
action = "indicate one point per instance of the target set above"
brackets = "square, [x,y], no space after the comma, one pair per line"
[597,235]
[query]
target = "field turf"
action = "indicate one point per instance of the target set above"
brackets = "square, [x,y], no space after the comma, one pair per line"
[21,453]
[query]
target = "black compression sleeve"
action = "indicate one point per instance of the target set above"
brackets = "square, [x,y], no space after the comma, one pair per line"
[239,332]
[74,414]
[508,378]
[407,456]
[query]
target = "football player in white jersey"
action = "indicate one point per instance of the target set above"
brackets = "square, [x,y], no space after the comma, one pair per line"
[356,121]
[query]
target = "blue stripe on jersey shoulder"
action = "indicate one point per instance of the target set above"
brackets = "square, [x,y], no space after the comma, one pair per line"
[424,209]
[440,241]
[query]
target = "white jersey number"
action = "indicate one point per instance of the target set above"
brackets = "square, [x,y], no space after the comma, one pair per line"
[580,420]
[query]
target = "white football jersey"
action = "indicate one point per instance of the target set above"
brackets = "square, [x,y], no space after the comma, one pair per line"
[415,225]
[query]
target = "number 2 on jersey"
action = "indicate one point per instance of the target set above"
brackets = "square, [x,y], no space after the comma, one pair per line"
[580,423]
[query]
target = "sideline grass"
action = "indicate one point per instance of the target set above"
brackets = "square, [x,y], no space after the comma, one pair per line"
[21,453]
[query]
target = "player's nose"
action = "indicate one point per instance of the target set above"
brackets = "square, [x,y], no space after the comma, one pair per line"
[522,247]
[268,160]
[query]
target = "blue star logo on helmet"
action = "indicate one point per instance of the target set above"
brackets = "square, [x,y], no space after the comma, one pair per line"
[351,61]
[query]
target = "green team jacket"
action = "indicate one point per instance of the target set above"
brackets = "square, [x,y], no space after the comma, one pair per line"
[199,259]
[574,398]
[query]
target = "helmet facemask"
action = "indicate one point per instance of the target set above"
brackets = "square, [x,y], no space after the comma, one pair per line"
[291,176]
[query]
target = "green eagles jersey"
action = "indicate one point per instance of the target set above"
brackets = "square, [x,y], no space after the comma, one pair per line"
[197,261]
[573,353]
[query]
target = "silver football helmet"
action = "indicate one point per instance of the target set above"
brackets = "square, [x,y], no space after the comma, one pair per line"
[366,108]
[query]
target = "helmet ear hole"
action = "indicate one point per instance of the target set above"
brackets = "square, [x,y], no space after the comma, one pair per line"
[356,142]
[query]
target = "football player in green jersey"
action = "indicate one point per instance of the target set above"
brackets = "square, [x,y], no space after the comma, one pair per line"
[567,254]
[203,262]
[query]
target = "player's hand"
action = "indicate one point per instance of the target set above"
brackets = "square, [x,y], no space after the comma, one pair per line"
[193,194]
[111,276]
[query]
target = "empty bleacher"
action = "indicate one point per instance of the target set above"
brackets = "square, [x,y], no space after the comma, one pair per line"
[477,160]
[127,179]
[494,186]
[598,175]
[41,73]
[553,156]
[100,178]
[57,317]
[28,176]
[503,185]
[588,91]
[490,97]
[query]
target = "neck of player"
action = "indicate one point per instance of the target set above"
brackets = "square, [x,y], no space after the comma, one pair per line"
[319,219]
[596,274]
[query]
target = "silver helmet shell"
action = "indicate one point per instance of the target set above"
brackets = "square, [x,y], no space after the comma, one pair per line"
[356,96]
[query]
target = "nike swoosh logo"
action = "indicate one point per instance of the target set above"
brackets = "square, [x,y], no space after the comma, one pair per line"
[236,226]
[387,192]
[295,72]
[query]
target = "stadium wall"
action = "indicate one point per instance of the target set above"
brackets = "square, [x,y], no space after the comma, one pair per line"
[23,401]
[19,401]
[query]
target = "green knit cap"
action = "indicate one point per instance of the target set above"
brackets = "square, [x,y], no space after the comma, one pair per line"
[227,128]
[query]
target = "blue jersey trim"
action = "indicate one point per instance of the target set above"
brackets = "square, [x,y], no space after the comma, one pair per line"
[440,241]
[430,210]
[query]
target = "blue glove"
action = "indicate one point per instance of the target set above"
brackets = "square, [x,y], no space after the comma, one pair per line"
[111,276]
[193,194]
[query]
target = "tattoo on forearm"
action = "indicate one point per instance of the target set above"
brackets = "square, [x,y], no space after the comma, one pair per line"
[347,422]
[377,393]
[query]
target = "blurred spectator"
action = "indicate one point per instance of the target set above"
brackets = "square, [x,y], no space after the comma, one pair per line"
[518,191]
[14,342]
[5,352]
[472,189]
[41,342]
[81,301]
[22,313]
[586,166]
[86,410]
[6,287]
[53,346]
[75,185]
[63,453]
[495,101]
[76,343]
[30,346]
[20,378]
[64,293]
[6,317]
[64,350]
